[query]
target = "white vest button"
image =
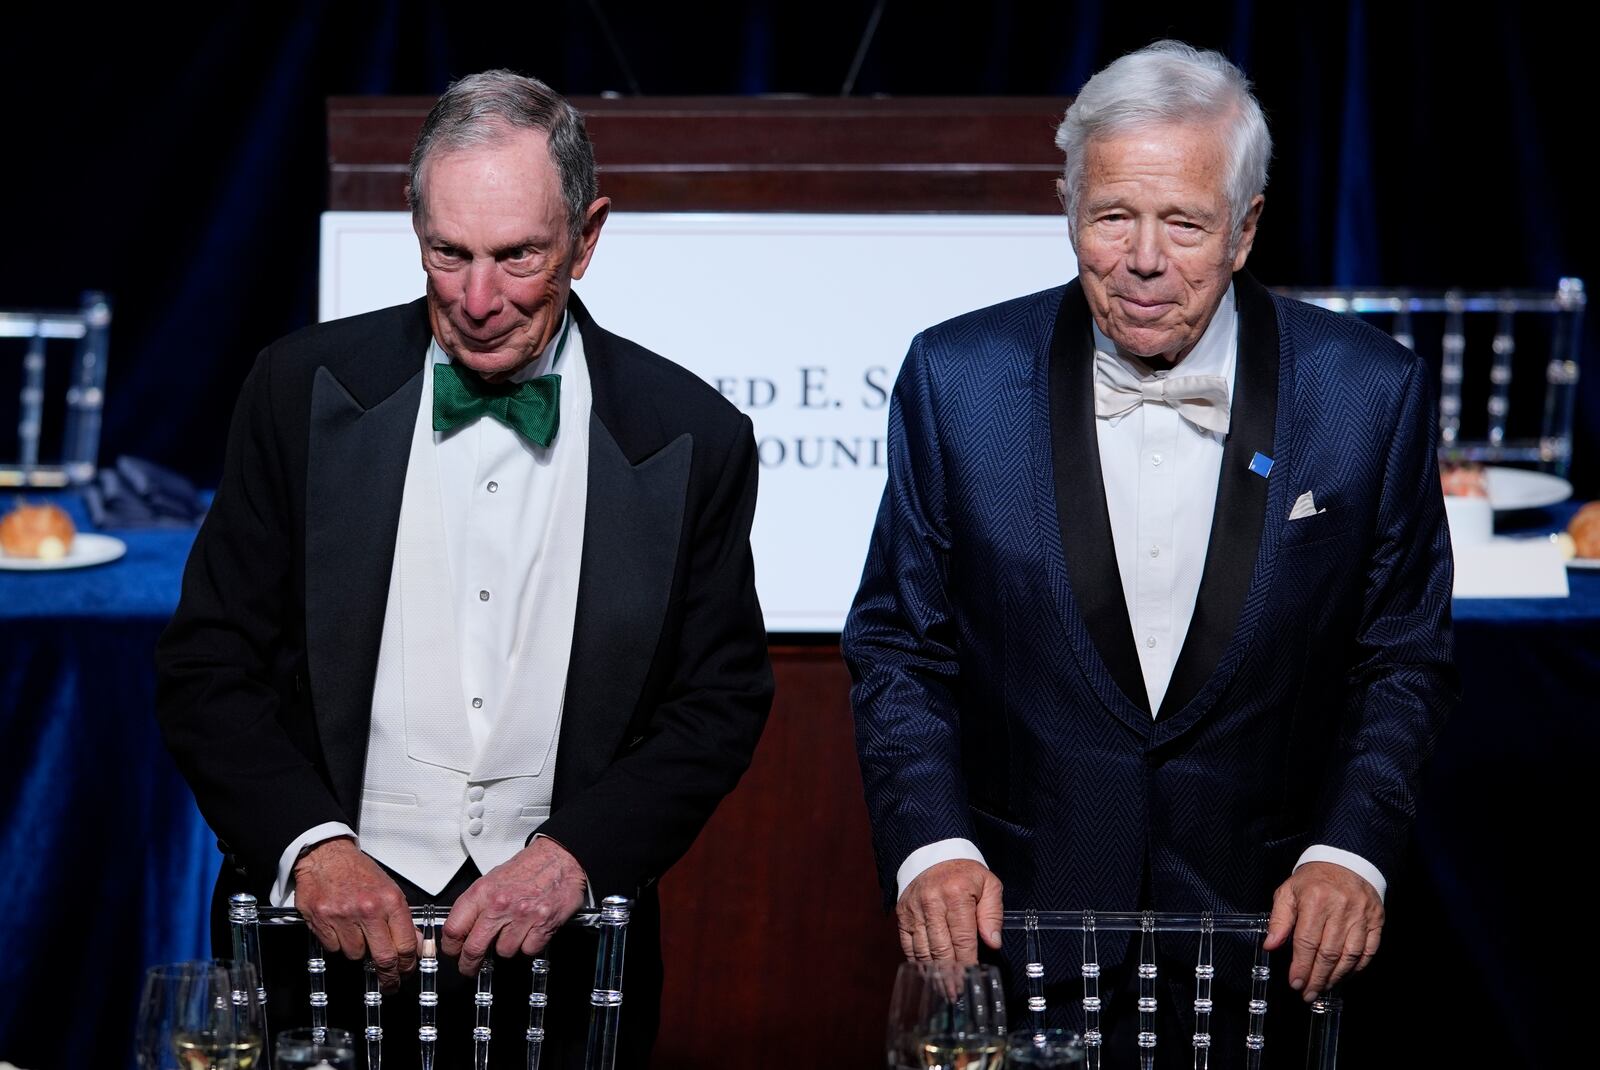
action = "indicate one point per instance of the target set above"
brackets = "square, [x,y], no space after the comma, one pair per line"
[475,826]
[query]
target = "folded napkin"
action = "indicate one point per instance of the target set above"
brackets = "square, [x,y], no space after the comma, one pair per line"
[139,494]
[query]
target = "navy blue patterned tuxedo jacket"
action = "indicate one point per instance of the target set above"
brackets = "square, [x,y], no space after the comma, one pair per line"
[997,690]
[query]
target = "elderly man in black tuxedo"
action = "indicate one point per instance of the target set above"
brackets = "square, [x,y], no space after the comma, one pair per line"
[473,616]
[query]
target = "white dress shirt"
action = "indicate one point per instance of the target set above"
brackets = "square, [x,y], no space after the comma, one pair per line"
[1160,476]
[494,489]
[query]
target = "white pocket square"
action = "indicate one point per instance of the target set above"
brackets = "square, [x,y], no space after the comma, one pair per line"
[1304,506]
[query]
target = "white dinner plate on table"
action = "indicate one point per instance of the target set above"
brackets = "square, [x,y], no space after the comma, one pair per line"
[1518,488]
[87,549]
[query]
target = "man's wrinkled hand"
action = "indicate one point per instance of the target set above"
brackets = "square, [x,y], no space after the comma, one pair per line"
[355,908]
[516,906]
[946,908]
[1336,919]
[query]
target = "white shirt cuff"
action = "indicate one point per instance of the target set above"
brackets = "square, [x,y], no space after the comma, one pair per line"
[283,888]
[931,855]
[1321,852]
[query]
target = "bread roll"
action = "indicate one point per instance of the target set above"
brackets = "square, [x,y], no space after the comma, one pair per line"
[43,531]
[1585,530]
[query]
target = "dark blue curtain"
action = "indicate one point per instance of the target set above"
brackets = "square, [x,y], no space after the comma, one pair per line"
[1416,145]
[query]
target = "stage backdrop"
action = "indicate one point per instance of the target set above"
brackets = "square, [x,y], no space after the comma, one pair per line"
[800,320]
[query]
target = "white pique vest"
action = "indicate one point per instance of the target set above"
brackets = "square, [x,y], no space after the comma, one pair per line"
[428,801]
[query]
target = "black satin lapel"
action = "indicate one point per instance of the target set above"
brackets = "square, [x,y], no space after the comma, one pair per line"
[355,479]
[1081,499]
[632,524]
[1241,498]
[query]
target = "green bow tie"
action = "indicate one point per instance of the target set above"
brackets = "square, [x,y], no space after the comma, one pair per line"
[531,409]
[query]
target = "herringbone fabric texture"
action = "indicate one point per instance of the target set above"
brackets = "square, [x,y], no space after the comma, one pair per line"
[985,710]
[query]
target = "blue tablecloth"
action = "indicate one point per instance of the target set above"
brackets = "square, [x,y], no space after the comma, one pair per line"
[109,867]
[1480,963]
[107,864]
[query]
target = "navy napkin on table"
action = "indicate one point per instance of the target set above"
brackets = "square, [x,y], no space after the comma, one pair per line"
[139,494]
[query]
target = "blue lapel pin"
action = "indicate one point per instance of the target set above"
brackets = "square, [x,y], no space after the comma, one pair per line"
[1261,464]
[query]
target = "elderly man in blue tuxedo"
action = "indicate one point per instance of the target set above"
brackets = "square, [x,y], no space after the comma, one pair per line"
[1156,612]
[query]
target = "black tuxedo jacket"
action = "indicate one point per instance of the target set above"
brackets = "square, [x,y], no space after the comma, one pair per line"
[266,672]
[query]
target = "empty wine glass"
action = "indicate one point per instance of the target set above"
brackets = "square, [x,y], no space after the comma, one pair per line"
[943,1016]
[1047,1049]
[314,1049]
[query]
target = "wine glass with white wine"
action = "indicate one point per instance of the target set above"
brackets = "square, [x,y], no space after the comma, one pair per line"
[943,1016]
[200,1016]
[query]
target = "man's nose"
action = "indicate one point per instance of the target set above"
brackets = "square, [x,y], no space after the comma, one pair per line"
[482,296]
[1146,256]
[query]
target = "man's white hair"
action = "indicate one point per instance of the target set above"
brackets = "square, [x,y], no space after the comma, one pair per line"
[1162,84]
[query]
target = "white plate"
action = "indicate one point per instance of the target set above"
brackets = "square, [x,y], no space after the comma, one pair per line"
[87,549]
[1588,564]
[1518,488]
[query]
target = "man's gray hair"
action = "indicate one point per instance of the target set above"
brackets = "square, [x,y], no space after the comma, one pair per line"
[1171,82]
[484,109]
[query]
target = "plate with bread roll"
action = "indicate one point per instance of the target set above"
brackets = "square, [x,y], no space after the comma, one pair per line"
[1508,489]
[1580,543]
[36,538]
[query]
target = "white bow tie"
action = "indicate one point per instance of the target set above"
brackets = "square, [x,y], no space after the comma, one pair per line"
[1200,399]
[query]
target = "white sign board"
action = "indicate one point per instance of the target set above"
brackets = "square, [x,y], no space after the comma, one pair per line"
[799,320]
